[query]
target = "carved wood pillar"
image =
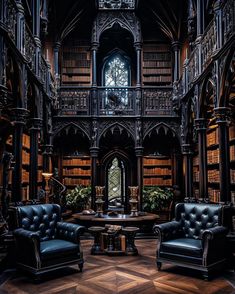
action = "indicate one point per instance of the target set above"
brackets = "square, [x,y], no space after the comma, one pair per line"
[18,117]
[139,156]
[94,99]
[201,126]
[20,28]
[200,17]
[36,125]
[176,50]
[188,170]
[219,23]
[47,154]
[222,115]
[138,48]
[94,151]
[3,88]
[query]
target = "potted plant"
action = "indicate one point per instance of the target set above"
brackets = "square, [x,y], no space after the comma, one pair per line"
[79,198]
[157,200]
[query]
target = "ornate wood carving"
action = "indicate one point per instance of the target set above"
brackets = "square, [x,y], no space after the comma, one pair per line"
[106,20]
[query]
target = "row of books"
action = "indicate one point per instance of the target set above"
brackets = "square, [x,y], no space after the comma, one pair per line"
[214,195]
[232,132]
[213,176]
[155,64]
[212,138]
[76,56]
[25,157]
[156,161]
[25,176]
[157,181]
[196,160]
[79,79]
[157,55]
[233,197]
[157,79]
[232,176]
[76,49]
[76,63]
[26,141]
[157,171]
[195,175]
[76,70]
[213,156]
[76,171]
[157,71]
[153,47]
[75,182]
[76,161]
[232,152]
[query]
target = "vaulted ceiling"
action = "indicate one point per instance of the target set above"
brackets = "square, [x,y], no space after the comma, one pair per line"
[165,17]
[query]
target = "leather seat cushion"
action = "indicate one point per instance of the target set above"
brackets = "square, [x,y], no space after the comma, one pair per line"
[56,247]
[183,246]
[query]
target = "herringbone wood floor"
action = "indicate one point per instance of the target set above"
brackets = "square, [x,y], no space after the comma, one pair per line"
[106,275]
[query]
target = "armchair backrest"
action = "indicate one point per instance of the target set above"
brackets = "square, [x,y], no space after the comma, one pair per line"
[40,218]
[197,217]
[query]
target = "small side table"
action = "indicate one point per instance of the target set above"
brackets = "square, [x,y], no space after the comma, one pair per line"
[96,232]
[130,233]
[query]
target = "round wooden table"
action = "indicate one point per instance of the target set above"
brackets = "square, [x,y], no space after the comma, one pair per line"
[143,222]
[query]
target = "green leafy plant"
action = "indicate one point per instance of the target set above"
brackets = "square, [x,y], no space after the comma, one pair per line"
[156,198]
[79,198]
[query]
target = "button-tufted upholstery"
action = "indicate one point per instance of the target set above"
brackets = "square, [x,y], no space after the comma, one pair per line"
[43,241]
[195,239]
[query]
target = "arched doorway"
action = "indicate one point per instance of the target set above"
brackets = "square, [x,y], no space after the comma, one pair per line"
[117,167]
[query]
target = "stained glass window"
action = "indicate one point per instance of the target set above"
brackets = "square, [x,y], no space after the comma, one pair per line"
[116,72]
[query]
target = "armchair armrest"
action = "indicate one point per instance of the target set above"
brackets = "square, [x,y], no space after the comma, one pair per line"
[28,247]
[70,232]
[167,231]
[22,233]
[215,232]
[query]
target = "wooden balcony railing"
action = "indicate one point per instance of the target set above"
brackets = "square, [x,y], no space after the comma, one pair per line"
[116,101]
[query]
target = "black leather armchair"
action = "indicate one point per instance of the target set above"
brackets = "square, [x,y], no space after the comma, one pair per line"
[195,239]
[43,242]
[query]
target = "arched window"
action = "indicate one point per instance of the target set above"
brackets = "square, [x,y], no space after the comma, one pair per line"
[117,71]
[116,183]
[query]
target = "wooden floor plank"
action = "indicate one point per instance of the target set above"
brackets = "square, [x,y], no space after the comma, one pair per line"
[119,274]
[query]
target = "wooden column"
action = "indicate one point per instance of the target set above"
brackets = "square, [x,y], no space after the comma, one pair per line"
[47,153]
[3,88]
[176,50]
[201,126]
[219,23]
[94,103]
[138,48]
[188,171]
[222,115]
[36,125]
[139,156]
[18,116]
[94,151]
[20,27]
[200,17]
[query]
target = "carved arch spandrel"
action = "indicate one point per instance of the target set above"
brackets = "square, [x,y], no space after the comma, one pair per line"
[106,20]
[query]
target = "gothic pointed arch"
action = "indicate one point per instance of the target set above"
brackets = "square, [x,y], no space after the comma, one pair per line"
[165,128]
[227,78]
[120,128]
[71,127]
[127,21]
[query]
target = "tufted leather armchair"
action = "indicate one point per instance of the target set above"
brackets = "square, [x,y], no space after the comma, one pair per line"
[43,242]
[195,239]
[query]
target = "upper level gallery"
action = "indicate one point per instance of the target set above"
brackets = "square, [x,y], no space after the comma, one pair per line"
[121,63]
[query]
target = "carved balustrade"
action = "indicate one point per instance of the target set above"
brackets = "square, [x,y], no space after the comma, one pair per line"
[208,43]
[116,101]
[158,101]
[74,101]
